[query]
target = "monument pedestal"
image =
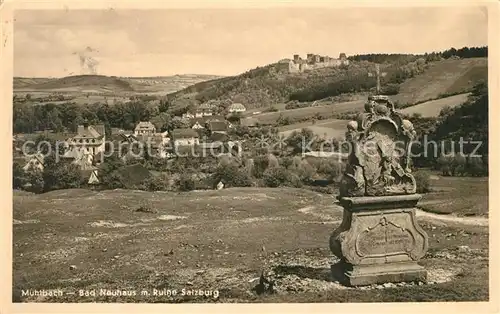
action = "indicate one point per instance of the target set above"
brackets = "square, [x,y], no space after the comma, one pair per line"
[379,241]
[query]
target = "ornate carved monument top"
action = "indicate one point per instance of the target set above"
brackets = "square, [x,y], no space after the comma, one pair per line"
[379,161]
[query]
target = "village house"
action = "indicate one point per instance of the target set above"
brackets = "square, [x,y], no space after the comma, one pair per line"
[90,138]
[204,110]
[145,128]
[236,108]
[34,162]
[203,122]
[188,115]
[185,137]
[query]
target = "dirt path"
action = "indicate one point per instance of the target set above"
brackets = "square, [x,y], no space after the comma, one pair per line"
[471,221]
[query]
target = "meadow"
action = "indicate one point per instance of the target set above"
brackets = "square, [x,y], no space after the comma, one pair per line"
[223,240]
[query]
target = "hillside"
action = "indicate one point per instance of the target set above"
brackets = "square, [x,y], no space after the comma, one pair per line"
[22,82]
[107,84]
[268,85]
[271,84]
[445,77]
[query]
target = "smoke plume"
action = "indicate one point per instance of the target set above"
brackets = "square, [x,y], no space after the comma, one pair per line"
[88,64]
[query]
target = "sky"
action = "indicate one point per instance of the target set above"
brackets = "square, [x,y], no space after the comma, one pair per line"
[162,42]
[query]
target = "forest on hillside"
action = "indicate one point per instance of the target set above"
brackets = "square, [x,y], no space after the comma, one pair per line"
[464,52]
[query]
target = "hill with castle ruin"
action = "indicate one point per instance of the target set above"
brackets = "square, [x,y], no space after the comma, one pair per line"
[409,79]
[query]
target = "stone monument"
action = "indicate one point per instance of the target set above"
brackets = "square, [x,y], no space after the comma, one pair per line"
[379,239]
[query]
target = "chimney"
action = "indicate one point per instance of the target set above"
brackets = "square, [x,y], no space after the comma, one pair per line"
[86,125]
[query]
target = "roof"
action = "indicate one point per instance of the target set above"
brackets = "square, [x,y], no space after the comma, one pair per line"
[39,156]
[200,121]
[145,125]
[100,129]
[221,137]
[90,131]
[237,106]
[184,133]
[218,126]
[210,145]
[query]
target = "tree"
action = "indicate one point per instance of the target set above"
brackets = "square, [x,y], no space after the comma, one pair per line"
[299,141]
[232,176]
[108,175]
[161,121]
[59,175]
[165,105]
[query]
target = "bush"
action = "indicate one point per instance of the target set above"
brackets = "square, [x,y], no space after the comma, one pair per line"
[232,176]
[476,167]
[390,89]
[185,182]
[423,182]
[279,176]
[155,183]
[260,164]
[305,171]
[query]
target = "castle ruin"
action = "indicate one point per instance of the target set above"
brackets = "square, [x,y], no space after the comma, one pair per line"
[314,61]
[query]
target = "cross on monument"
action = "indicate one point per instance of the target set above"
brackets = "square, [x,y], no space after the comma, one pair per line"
[378,74]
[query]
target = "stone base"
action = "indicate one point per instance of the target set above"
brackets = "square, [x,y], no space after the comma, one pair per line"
[364,275]
[379,241]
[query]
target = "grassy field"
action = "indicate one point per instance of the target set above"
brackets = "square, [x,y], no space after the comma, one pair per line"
[433,108]
[79,239]
[460,196]
[336,128]
[308,112]
[330,128]
[444,77]
[80,98]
